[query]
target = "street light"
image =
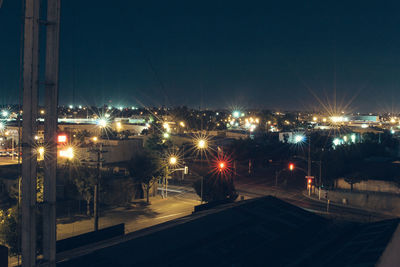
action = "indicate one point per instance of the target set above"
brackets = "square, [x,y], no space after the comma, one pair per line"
[173,160]
[202,144]
[102,122]
[40,150]
[67,153]
[299,138]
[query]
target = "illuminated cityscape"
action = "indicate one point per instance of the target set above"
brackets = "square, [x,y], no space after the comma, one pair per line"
[218,133]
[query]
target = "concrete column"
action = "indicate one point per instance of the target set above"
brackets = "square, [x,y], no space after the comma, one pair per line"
[50,133]
[29,129]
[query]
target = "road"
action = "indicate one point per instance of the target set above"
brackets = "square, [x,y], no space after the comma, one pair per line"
[135,217]
[250,188]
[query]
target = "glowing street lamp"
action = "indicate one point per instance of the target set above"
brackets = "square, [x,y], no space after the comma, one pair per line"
[166,135]
[40,151]
[299,138]
[236,114]
[67,153]
[173,160]
[94,138]
[202,144]
[102,122]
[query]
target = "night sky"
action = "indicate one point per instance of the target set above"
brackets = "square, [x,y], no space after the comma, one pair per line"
[258,54]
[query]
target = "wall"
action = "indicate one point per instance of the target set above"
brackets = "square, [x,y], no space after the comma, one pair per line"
[380,202]
[114,151]
[369,185]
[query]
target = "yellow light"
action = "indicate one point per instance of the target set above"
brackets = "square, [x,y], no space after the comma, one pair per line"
[392,120]
[94,138]
[102,123]
[324,119]
[119,125]
[67,153]
[41,153]
[202,144]
[182,124]
[166,135]
[315,119]
[42,111]
[173,160]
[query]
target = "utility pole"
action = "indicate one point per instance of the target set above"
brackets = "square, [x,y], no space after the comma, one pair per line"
[30,101]
[309,164]
[96,187]
[309,157]
[50,131]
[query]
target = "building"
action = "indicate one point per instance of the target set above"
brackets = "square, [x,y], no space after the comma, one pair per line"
[257,232]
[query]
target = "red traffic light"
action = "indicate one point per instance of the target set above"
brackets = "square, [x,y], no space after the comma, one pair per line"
[221,165]
[309,181]
[62,138]
[291,166]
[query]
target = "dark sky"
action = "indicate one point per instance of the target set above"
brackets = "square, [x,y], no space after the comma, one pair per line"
[268,54]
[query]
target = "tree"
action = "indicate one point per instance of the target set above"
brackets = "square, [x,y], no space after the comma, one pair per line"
[9,232]
[352,179]
[156,144]
[85,180]
[80,136]
[216,188]
[145,169]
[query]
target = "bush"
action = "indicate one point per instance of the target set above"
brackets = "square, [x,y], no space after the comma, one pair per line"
[216,188]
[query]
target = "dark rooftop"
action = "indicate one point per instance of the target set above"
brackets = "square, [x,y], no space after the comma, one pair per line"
[259,232]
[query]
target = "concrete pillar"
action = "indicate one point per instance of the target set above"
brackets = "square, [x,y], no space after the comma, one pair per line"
[50,131]
[29,129]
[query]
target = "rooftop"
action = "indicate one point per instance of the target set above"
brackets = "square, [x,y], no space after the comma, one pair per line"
[265,231]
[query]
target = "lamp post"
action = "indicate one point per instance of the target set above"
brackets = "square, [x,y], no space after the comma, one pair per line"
[201,146]
[172,161]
